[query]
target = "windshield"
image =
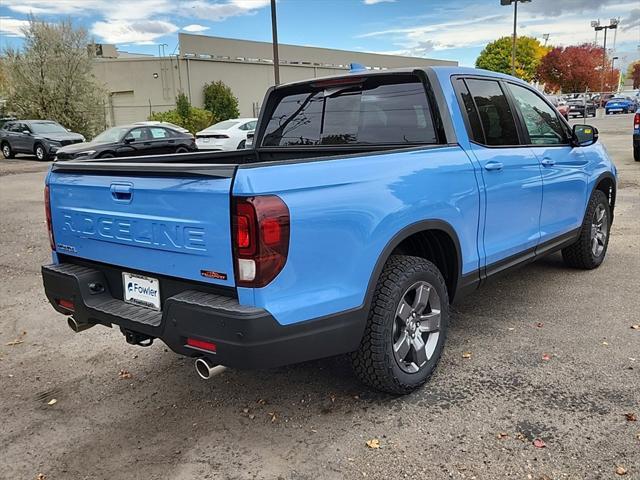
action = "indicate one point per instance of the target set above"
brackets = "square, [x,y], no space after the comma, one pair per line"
[114,134]
[48,127]
[226,125]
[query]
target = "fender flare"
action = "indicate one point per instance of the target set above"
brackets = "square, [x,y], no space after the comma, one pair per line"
[399,237]
[612,200]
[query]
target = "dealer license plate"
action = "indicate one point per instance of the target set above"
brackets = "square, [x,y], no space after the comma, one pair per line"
[141,290]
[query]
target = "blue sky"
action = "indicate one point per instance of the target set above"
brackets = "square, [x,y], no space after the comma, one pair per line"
[454,30]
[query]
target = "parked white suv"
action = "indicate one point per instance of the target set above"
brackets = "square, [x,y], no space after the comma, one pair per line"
[226,135]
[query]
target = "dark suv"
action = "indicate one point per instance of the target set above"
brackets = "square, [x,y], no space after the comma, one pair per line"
[41,138]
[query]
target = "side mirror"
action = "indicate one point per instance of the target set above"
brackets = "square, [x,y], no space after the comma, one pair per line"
[26,132]
[584,135]
[129,139]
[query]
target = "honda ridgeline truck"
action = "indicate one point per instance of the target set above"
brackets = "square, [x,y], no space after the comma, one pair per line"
[368,203]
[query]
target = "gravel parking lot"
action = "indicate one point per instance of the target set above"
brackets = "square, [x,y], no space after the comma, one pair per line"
[542,354]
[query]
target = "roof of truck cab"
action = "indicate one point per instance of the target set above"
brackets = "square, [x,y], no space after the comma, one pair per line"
[441,71]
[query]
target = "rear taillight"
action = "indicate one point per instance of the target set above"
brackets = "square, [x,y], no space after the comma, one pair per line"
[260,239]
[636,121]
[47,211]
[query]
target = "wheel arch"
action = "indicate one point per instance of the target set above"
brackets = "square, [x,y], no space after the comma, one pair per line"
[606,183]
[442,248]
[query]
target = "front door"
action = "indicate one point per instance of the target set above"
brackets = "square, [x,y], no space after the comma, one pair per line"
[511,174]
[564,178]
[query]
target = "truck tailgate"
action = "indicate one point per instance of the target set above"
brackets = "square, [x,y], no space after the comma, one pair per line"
[170,225]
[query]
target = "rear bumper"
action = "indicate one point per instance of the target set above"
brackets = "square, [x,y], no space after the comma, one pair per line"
[245,337]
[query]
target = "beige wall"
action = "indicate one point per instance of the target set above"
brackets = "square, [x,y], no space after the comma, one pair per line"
[138,86]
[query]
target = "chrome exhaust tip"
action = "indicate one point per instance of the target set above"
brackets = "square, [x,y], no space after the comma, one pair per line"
[77,326]
[206,369]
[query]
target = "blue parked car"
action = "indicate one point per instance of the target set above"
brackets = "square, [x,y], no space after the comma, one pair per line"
[636,136]
[369,202]
[620,105]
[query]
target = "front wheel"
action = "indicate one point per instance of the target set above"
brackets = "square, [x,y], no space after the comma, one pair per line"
[242,144]
[182,150]
[636,153]
[406,329]
[589,250]
[40,152]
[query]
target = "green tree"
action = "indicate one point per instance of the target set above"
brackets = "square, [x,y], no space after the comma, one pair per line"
[220,101]
[51,77]
[185,115]
[496,56]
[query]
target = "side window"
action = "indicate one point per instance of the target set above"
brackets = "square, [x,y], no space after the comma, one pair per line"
[251,125]
[496,117]
[138,134]
[540,119]
[472,114]
[158,133]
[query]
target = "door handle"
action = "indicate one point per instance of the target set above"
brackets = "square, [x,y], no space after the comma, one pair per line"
[548,162]
[493,165]
[122,192]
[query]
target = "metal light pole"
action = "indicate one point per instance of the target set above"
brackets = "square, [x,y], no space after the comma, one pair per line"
[613,60]
[274,31]
[515,23]
[613,24]
[545,36]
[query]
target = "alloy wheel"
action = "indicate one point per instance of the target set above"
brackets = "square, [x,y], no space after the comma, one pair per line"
[416,328]
[599,230]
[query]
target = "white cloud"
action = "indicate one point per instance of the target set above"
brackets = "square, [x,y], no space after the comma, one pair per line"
[12,27]
[373,2]
[195,28]
[141,32]
[141,22]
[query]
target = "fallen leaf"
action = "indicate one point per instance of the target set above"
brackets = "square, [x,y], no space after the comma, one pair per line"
[511,329]
[332,397]
[605,343]
[621,471]
[273,416]
[631,417]
[466,355]
[546,357]
[261,401]
[124,374]
[539,443]
[502,435]
[520,436]
[252,416]
[41,476]
[245,410]
[635,327]
[539,324]
[373,443]
[53,401]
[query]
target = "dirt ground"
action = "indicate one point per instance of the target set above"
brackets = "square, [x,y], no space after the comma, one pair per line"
[553,357]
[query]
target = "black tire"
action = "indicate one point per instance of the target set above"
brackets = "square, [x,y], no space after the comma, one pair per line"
[636,153]
[7,152]
[581,254]
[107,155]
[242,144]
[182,150]
[375,362]
[40,152]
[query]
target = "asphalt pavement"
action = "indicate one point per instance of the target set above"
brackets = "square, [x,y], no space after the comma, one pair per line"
[540,379]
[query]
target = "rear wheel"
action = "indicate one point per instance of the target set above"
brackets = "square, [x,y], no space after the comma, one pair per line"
[636,153]
[40,153]
[181,150]
[406,328]
[107,155]
[589,250]
[6,151]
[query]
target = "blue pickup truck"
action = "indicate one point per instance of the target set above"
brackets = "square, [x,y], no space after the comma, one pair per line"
[369,202]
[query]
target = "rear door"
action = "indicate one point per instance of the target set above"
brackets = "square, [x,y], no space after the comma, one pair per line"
[564,178]
[511,174]
[162,142]
[149,224]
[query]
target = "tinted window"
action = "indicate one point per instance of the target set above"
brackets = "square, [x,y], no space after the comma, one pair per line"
[540,119]
[17,127]
[157,132]
[495,114]
[472,114]
[372,112]
[139,134]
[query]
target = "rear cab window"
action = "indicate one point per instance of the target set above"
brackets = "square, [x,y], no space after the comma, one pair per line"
[370,110]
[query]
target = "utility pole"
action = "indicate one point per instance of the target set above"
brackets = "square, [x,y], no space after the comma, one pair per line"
[274,32]
[545,36]
[506,3]
[613,24]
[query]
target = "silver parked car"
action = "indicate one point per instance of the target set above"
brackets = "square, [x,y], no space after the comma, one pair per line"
[41,138]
